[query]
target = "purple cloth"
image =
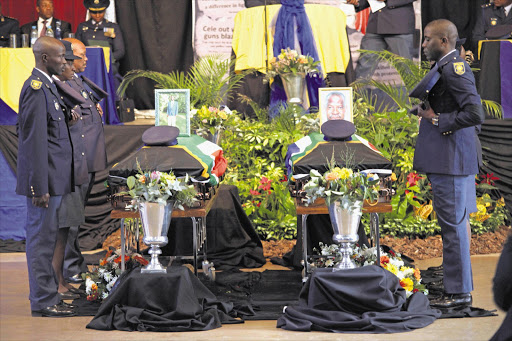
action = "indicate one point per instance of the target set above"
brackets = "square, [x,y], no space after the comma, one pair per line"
[506,78]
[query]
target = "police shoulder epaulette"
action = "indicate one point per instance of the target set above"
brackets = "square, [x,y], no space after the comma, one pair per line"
[35,84]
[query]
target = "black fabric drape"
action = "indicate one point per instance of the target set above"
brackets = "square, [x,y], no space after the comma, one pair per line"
[175,301]
[489,80]
[365,300]
[158,37]
[461,12]
[496,139]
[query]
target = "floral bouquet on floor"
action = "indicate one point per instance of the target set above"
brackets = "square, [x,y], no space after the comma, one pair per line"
[100,281]
[289,61]
[160,187]
[410,278]
[211,120]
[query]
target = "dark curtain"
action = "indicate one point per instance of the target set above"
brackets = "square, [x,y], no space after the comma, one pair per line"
[158,37]
[72,11]
[461,12]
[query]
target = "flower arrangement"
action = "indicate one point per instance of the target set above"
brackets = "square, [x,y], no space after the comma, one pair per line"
[289,61]
[410,278]
[100,281]
[344,185]
[212,119]
[160,187]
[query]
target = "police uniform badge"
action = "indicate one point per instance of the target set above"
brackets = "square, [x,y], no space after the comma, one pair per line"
[84,93]
[459,68]
[35,84]
[494,21]
[96,1]
[56,105]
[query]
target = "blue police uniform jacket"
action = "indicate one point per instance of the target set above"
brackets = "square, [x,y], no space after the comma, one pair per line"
[396,18]
[172,108]
[44,147]
[88,31]
[452,147]
[93,133]
[489,16]
[8,26]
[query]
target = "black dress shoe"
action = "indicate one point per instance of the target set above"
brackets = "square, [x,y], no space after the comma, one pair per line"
[56,310]
[67,305]
[436,268]
[75,279]
[68,295]
[452,301]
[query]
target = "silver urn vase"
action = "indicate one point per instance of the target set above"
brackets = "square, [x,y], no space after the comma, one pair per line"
[345,223]
[294,86]
[156,218]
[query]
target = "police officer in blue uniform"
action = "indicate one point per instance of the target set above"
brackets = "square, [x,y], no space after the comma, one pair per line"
[99,29]
[8,26]
[44,172]
[494,21]
[93,138]
[447,150]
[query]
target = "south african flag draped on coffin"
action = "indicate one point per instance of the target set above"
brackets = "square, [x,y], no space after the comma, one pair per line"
[200,159]
[314,152]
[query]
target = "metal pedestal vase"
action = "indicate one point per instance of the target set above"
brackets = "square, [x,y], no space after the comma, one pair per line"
[294,86]
[207,135]
[345,223]
[156,219]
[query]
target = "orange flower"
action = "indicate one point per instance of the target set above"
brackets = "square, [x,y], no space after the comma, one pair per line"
[384,260]
[94,286]
[118,259]
[331,176]
[417,274]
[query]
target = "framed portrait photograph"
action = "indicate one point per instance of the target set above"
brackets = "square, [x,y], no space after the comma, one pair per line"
[172,108]
[335,104]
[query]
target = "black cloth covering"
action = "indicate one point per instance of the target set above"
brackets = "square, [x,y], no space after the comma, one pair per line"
[502,289]
[169,302]
[158,36]
[231,238]
[365,300]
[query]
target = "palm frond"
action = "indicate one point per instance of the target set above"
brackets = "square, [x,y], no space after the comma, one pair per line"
[494,109]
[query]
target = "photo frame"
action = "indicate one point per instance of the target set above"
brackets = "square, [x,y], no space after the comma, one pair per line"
[335,103]
[172,108]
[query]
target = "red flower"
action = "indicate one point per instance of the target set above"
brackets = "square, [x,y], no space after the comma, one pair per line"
[253,192]
[258,204]
[265,184]
[141,260]
[415,290]
[285,179]
[118,259]
[489,178]
[392,253]
[412,179]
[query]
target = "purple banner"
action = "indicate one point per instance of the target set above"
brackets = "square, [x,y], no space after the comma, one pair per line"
[506,77]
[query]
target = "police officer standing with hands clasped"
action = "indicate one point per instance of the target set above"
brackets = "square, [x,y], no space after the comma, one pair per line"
[44,172]
[448,151]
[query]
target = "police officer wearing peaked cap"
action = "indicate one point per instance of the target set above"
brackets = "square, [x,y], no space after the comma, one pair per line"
[99,29]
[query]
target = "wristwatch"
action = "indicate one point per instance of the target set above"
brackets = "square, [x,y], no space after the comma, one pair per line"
[435,120]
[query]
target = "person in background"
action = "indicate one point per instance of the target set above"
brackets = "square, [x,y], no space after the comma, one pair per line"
[335,107]
[390,28]
[71,211]
[8,26]
[44,172]
[448,152]
[172,111]
[93,138]
[45,9]
[493,21]
[99,30]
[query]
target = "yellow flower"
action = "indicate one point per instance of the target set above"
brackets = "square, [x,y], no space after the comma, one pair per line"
[393,177]
[500,202]
[345,173]
[222,114]
[391,268]
[407,284]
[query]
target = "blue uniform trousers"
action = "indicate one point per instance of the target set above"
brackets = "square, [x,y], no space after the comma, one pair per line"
[41,228]
[454,199]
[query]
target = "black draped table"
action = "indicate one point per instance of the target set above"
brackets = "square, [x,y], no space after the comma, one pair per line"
[166,302]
